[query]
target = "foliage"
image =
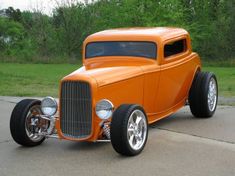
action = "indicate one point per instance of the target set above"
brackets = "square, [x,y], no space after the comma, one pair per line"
[12,40]
[35,37]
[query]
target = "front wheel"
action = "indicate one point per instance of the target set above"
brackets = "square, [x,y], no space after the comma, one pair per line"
[129,130]
[203,95]
[25,124]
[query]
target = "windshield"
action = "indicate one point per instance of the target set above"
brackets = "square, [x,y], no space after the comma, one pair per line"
[131,48]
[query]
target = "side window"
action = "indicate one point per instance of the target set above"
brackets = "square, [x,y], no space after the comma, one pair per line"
[175,47]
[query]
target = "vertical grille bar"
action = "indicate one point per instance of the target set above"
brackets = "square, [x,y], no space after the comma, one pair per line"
[76,109]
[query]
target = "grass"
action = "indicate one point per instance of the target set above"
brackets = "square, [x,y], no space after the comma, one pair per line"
[43,79]
[226,79]
[32,79]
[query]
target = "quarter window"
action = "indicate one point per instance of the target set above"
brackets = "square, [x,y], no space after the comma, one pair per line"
[176,47]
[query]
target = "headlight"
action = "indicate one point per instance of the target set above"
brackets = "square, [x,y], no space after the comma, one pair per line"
[49,106]
[104,109]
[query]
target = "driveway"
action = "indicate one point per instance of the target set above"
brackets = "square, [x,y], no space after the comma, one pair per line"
[179,145]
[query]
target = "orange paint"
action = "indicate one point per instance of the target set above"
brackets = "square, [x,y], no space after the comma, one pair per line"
[160,85]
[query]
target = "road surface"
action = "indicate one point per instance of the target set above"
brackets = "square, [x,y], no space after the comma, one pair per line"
[179,145]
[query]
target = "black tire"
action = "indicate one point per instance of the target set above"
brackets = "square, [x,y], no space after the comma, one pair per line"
[17,123]
[198,95]
[118,130]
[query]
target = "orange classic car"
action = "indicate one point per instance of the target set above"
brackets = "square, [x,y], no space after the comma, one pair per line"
[130,78]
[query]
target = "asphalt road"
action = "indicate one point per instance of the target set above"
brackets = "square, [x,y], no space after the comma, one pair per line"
[179,145]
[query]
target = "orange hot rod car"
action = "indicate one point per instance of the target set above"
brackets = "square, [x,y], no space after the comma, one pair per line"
[130,78]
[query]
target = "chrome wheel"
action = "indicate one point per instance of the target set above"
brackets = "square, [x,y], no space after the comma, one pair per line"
[34,125]
[212,94]
[137,129]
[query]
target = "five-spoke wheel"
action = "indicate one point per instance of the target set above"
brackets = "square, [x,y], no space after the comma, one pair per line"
[129,129]
[137,129]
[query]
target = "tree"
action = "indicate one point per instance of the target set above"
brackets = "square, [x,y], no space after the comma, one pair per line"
[14,14]
[211,24]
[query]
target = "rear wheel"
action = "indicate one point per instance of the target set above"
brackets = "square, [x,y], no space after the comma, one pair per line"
[25,123]
[129,130]
[203,95]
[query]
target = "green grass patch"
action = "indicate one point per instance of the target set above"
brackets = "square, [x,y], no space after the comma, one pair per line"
[32,79]
[43,79]
[226,79]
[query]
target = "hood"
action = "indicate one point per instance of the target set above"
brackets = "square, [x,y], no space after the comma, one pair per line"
[107,75]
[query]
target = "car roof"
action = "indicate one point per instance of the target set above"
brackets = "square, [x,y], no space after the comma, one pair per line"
[140,33]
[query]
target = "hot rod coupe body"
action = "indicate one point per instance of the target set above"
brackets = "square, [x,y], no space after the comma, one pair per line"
[130,78]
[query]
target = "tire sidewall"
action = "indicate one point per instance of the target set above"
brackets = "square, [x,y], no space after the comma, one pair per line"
[18,122]
[24,117]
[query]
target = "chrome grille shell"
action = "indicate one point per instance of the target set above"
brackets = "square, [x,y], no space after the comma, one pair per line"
[76,109]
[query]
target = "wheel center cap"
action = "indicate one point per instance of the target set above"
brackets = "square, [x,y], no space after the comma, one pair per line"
[135,130]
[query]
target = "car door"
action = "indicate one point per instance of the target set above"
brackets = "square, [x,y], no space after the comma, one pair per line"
[175,73]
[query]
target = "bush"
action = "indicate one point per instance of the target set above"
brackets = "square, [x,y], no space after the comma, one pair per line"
[36,37]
